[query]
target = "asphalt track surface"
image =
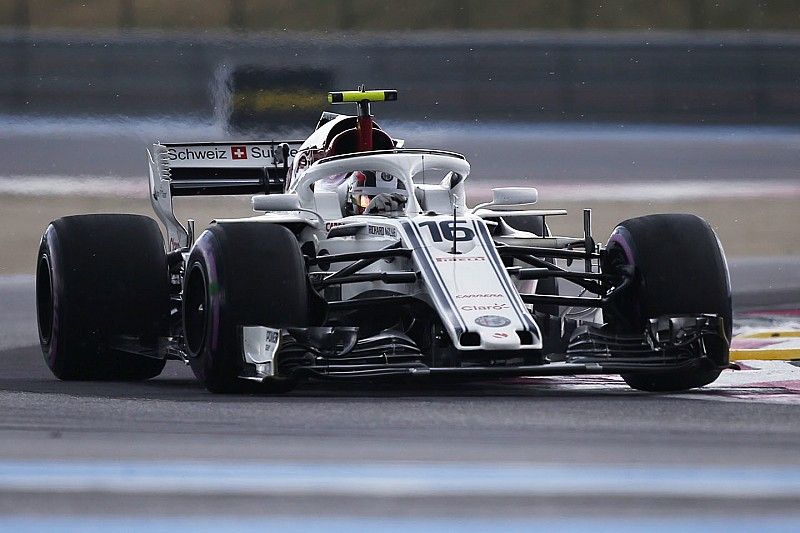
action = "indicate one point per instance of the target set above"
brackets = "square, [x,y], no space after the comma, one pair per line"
[568,452]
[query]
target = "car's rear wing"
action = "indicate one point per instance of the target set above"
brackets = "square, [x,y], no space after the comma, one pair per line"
[218,168]
[214,168]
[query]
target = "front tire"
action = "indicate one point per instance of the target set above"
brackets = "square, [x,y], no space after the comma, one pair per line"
[98,277]
[241,274]
[680,269]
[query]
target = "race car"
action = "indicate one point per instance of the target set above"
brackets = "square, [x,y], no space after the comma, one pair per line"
[365,261]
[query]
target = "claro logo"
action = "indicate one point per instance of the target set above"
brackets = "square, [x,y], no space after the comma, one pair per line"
[489,307]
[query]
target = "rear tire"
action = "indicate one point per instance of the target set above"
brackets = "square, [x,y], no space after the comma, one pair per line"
[241,274]
[680,268]
[98,276]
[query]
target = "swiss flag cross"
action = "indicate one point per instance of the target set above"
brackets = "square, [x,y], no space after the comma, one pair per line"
[238,152]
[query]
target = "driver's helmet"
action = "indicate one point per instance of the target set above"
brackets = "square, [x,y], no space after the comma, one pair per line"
[364,186]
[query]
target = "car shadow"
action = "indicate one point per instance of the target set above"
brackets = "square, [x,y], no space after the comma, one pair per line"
[22,370]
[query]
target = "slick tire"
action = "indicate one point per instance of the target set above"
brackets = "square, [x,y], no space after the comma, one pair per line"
[680,268]
[99,277]
[241,274]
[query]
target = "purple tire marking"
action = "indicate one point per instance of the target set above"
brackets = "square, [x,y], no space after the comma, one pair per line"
[214,300]
[618,239]
[55,292]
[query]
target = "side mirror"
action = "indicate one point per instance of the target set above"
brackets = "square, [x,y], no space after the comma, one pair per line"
[276,202]
[508,196]
[512,197]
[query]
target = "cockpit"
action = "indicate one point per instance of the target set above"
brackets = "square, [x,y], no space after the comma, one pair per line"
[388,183]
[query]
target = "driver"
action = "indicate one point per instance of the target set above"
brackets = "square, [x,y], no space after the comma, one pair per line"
[370,192]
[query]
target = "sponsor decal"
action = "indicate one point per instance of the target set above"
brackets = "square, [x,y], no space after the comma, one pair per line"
[196,154]
[220,153]
[492,321]
[460,258]
[500,335]
[386,177]
[478,295]
[329,225]
[238,152]
[259,345]
[490,307]
[382,231]
[257,152]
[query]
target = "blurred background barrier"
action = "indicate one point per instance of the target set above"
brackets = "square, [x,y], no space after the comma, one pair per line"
[257,62]
[360,15]
[572,96]
[679,77]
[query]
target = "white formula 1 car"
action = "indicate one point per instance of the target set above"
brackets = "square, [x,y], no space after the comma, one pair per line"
[366,262]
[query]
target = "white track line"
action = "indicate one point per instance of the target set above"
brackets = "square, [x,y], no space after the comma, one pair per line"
[462,522]
[46,186]
[399,480]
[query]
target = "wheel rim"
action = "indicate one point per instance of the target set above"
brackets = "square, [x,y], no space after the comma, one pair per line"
[44,300]
[196,309]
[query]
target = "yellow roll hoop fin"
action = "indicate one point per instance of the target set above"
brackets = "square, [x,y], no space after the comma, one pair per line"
[354,97]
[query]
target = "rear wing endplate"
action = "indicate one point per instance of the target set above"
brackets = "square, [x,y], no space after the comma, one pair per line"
[214,168]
